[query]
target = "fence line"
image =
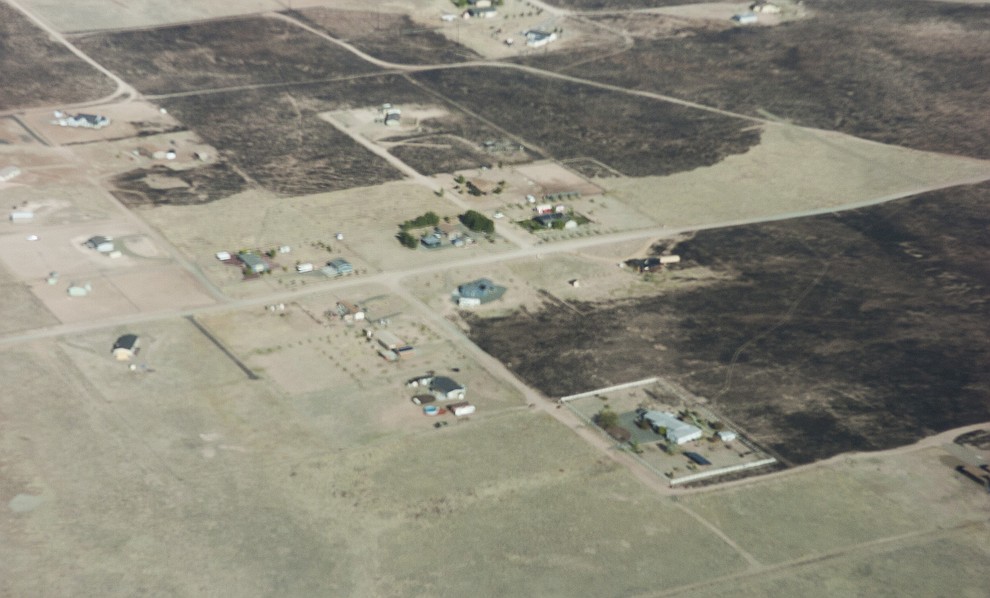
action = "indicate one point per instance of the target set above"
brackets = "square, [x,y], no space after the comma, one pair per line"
[724,470]
[592,393]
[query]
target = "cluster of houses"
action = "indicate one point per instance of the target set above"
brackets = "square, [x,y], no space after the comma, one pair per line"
[257,263]
[450,232]
[83,121]
[441,388]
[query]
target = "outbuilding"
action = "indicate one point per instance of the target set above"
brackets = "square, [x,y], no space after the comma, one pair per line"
[461,409]
[126,347]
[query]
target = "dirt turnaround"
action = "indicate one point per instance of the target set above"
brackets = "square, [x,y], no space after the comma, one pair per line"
[863,330]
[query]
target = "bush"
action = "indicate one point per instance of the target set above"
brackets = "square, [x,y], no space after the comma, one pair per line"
[407,239]
[606,418]
[427,219]
[477,222]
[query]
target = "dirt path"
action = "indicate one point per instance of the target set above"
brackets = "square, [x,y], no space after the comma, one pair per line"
[123,90]
[504,229]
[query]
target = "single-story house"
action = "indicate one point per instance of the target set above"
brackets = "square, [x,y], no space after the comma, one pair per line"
[86,121]
[548,220]
[431,241]
[486,12]
[100,243]
[21,216]
[479,3]
[482,290]
[670,427]
[126,347]
[445,388]
[536,38]
[338,267]
[253,262]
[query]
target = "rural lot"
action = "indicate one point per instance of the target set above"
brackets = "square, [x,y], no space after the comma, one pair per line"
[586,298]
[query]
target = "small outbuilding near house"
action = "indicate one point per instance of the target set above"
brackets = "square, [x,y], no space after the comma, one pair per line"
[126,347]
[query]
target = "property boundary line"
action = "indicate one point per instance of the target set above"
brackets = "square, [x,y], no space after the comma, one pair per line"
[722,471]
[592,393]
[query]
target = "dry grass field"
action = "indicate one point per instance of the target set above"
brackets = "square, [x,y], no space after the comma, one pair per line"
[208,480]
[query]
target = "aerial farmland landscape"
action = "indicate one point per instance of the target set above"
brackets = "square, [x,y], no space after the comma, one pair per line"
[543,298]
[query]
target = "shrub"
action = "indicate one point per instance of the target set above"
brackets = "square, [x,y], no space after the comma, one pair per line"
[477,222]
[407,239]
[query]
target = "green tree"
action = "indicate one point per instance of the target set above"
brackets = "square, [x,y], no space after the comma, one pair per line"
[407,239]
[477,221]
[606,418]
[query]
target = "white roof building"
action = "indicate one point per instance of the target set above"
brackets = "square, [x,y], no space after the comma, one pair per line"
[676,431]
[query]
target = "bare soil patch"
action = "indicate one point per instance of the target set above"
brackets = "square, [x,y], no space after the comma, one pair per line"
[38,70]
[910,73]
[857,331]
[218,54]
[635,136]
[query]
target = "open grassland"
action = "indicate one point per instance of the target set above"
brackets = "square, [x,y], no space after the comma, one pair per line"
[39,71]
[188,477]
[791,170]
[91,15]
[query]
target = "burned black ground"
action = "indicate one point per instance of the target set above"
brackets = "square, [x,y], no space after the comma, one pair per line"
[220,54]
[205,184]
[857,331]
[908,73]
[37,71]
[636,136]
[390,37]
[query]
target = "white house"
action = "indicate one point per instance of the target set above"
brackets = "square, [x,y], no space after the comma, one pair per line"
[85,121]
[672,428]
[536,38]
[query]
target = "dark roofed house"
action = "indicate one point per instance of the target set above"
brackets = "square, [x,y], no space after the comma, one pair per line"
[253,262]
[479,291]
[100,243]
[431,241]
[126,347]
[447,388]
[338,267]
